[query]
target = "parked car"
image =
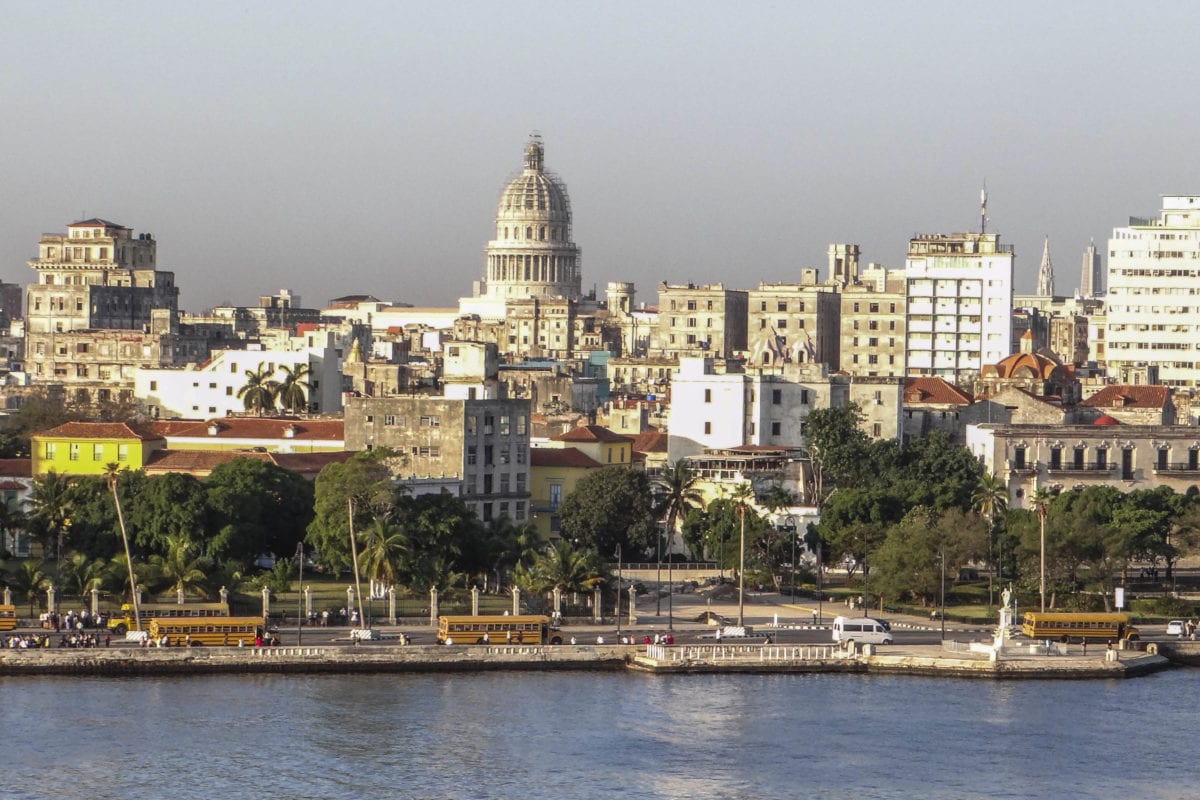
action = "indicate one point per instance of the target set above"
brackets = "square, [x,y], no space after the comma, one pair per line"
[1175,628]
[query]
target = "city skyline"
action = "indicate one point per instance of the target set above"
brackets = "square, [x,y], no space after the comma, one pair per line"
[362,150]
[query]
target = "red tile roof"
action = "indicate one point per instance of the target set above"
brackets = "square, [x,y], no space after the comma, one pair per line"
[201,462]
[591,433]
[1150,397]
[327,430]
[99,430]
[16,468]
[561,457]
[935,391]
[650,441]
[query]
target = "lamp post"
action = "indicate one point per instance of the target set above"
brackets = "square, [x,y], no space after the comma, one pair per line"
[300,594]
[742,570]
[670,579]
[943,598]
[792,529]
[1041,512]
[618,592]
[658,576]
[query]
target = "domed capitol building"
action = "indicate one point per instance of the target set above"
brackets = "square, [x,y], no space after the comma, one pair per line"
[532,255]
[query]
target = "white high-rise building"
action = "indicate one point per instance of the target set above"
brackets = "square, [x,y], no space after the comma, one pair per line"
[1153,298]
[959,304]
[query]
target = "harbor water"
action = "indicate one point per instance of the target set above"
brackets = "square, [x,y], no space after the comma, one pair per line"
[562,736]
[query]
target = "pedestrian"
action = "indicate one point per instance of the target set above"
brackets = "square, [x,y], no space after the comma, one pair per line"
[1083,641]
[814,615]
[486,638]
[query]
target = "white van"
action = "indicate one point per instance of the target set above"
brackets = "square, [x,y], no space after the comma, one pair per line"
[861,630]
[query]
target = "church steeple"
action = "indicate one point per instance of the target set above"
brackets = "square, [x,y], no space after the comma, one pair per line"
[1045,281]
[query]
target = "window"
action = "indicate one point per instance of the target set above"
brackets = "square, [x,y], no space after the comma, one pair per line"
[97,452]
[74,454]
[472,454]
[505,428]
[122,452]
[389,419]
[877,430]
[1055,458]
[431,422]
[51,450]
[555,496]
[708,427]
[708,395]
[520,424]
[1019,458]
[804,397]
[776,428]
[472,425]
[776,397]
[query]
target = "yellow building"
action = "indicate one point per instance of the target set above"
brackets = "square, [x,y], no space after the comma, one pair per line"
[86,448]
[557,466]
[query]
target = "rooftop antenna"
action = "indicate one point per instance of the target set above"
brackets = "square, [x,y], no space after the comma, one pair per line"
[983,209]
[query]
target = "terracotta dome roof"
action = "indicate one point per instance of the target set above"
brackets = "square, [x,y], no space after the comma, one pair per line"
[1105,419]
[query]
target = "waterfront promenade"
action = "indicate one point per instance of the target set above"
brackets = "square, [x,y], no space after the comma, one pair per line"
[963,654]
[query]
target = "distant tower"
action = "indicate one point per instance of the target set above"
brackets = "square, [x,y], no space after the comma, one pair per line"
[1091,281]
[843,263]
[1045,283]
[532,254]
[983,209]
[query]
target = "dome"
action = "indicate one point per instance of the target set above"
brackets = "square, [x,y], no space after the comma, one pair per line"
[535,196]
[532,254]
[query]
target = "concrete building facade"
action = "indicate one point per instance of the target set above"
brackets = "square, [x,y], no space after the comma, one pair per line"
[959,290]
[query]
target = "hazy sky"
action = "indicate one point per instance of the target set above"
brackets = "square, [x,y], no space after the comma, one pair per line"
[357,147]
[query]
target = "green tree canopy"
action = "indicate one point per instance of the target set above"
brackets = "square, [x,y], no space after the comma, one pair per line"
[256,507]
[611,506]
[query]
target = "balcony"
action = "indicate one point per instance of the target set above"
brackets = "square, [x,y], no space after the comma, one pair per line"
[1067,469]
[1181,468]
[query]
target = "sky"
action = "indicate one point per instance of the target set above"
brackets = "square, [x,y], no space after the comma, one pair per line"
[360,147]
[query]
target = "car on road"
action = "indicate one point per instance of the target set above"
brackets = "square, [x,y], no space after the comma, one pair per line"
[1175,627]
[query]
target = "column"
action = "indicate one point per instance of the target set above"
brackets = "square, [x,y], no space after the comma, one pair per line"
[632,603]
[597,605]
[391,593]
[349,601]
[433,606]
[308,601]
[266,600]
[474,601]
[7,596]
[50,607]
[179,594]
[95,602]
[516,594]
[557,600]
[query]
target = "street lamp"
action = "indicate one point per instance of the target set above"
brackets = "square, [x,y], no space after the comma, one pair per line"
[670,579]
[792,529]
[1041,512]
[658,575]
[618,592]
[943,599]
[300,594]
[742,571]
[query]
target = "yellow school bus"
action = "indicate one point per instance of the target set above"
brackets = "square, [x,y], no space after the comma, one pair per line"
[532,629]
[212,631]
[1080,625]
[8,618]
[120,623]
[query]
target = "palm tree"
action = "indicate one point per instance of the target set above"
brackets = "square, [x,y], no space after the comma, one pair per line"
[29,578]
[383,546]
[564,568]
[679,496]
[112,473]
[260,390]
[1041,499]
[180,569]
[79,574]
[51,507]
[741,495]
[292,390]
[990,498]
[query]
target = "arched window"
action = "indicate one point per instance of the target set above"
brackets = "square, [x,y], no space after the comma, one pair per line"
[529,232]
